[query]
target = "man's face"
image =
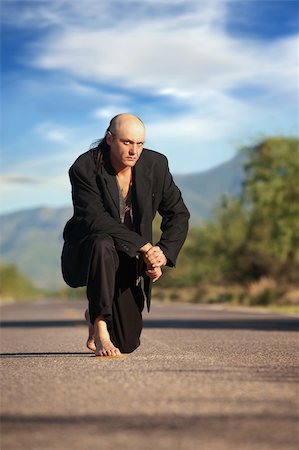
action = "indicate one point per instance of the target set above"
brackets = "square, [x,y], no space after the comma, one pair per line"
[126,144]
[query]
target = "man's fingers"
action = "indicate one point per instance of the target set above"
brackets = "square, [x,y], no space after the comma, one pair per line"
[155,257]
[157,263]
[155,251]
[157,277]
[156,260]
[154,273]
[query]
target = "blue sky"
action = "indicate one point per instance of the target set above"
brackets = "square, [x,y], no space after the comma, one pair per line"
[205,76]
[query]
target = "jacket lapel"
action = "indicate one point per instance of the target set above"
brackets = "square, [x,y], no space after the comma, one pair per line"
[143,183]
[112,188]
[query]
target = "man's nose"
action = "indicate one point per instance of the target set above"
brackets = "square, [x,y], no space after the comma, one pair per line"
[133,148]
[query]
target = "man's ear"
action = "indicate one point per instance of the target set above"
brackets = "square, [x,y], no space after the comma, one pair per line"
[109,137]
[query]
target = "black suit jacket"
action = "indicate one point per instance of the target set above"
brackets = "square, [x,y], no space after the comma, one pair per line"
[95,198]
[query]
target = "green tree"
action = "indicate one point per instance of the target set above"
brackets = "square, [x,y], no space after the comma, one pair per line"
[15,285]
[252,236]
[271,194]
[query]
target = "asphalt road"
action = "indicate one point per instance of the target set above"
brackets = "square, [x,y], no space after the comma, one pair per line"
[204,378]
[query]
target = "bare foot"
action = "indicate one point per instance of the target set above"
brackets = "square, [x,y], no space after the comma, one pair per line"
[104,346]
[90,344]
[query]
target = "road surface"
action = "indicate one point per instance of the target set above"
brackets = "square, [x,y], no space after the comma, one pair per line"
[204,378]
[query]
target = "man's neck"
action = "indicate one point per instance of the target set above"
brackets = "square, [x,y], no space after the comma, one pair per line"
[123,172]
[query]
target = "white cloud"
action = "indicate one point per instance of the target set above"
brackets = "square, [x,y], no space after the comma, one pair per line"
[181,49]
[53,133]
[106,13]
[106,113]
[167,55]
[19,179]
[177,47]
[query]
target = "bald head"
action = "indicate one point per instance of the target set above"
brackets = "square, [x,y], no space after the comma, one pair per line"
[123,121]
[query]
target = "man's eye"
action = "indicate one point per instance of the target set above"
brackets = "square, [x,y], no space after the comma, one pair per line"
[140,144]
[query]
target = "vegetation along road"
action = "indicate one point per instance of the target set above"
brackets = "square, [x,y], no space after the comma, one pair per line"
[204,377]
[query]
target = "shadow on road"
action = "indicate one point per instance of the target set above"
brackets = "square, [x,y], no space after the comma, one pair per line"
[259,324]
[44,354]
[271,431]
[285,324]
[106,423]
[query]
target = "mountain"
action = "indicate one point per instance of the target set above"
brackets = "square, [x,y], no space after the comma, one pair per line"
[32,239]
[203,191]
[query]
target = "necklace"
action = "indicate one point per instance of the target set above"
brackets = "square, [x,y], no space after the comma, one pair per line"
[125,201]
[125,192]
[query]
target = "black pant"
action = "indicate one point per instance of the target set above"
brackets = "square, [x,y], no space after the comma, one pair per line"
[112,292]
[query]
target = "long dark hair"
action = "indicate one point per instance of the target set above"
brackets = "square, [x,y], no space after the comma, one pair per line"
[100,150]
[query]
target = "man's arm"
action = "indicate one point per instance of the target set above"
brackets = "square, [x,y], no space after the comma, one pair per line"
[174,226]
[175,218]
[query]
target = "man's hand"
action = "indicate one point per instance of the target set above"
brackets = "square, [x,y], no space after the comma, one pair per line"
[154,274]
[155,257]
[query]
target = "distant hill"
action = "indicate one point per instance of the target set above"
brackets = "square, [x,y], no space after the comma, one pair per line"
[203,191]
[32,239]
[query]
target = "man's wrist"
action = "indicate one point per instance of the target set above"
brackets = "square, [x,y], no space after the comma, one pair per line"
[165,261]
[145,248]
[165,257]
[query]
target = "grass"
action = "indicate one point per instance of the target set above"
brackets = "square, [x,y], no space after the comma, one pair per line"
[264,294]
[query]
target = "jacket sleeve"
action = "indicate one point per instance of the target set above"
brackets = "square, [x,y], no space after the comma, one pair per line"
[91,214]
[175,218]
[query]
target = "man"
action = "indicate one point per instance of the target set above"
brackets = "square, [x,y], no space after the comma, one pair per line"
[117,188]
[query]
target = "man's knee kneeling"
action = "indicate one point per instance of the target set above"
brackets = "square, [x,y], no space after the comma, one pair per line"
[103,241]
[103,244]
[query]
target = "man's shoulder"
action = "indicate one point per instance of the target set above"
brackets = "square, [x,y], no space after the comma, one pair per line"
[148,155]
[84,160]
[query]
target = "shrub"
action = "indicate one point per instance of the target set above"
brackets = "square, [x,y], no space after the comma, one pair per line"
[262,292]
